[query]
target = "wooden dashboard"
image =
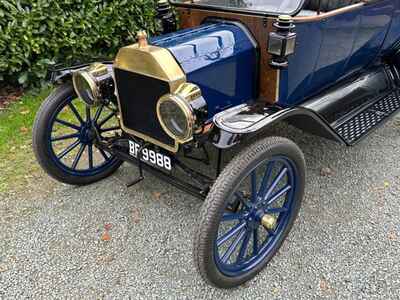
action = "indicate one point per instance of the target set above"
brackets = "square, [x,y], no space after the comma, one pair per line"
[260,27]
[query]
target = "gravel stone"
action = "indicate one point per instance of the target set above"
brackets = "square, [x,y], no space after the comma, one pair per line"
[344,245]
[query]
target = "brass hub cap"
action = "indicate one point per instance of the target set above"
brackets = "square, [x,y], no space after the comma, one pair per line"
[269,221]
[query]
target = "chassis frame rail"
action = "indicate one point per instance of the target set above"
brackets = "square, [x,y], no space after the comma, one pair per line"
[191,189]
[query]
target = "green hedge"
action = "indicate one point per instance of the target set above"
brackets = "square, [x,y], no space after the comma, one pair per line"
[35,34]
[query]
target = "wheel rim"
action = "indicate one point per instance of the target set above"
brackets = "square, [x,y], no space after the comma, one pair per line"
[72,131]
[254,231]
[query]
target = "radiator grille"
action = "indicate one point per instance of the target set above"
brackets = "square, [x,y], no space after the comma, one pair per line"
[138,95]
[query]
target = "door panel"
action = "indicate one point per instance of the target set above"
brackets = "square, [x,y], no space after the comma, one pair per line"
[374,25]
[294,81]
[339,33]
[350,41]
[393,35]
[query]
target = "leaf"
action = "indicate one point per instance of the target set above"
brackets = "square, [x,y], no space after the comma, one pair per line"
[25,112]
[104,259]
[276,290]
[323,285]
[392,235]
[105,237]
[157,195]
[23,78]
[386,184]
[326,171]
[135,215]
[3,268]
[24,129]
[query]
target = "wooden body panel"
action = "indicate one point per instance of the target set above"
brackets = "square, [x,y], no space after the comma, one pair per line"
[259,27]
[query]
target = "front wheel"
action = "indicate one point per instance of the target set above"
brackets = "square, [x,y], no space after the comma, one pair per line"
[64,136]
[249,212]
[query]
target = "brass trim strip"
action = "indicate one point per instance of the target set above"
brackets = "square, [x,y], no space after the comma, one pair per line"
[302,19]
[147,138]
[278,85]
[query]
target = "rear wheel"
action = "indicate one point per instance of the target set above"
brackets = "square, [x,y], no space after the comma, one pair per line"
[234,242]
[64,137]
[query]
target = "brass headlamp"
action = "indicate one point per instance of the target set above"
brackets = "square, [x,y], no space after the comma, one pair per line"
[181,113]
[93,84]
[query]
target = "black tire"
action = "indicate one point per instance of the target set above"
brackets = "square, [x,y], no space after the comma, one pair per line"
[40,137]
[217,201]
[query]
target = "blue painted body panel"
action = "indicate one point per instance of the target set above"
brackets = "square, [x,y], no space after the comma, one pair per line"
[337,47]
[219,58]
[222,59]
[393,34]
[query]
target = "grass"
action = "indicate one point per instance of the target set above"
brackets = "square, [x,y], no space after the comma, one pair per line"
[17,162]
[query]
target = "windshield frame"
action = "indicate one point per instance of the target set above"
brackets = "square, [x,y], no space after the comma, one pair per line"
[235,10]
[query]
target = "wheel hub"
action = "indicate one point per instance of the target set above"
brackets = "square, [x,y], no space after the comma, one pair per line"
[87,134]
[256,216]
[269,221]
[253,216]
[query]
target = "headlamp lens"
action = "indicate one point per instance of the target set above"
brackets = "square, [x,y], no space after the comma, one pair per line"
[84,87]
[174,119]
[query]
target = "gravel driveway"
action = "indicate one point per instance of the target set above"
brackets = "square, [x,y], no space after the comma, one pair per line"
[107,241]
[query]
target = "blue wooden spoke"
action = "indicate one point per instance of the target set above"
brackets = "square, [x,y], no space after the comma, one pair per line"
[90,155]
[65,137]
[271,233]
[103,154]
[68,124]
[105,120]
[233,246]
[98,113]
[267,176]
[255,241]
[68,149]
[231,216]
[275,182]
[243,248]
[78,156]
[253,177]
[274,210]
[76,113]
[277,195]
[234,230]
[110,129]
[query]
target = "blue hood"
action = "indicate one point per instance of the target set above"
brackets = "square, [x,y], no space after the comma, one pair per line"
[220,58]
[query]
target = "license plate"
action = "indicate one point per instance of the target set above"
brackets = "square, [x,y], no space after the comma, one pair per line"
[150,156]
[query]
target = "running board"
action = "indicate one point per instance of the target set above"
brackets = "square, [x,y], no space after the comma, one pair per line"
[356,125]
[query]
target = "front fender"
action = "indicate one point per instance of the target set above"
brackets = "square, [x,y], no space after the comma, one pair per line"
[61,73]
[244,119]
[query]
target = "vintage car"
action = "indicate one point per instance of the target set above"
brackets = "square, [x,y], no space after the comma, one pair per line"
[233,69]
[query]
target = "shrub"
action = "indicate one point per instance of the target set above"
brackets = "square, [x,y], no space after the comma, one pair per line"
[35,34]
